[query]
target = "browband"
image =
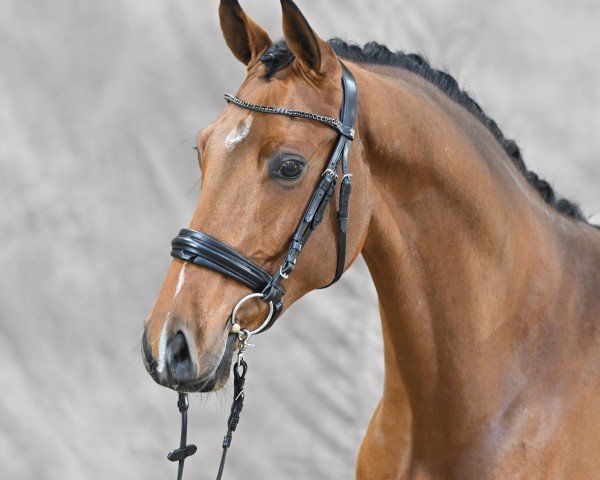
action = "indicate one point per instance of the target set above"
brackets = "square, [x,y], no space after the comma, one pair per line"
[206,251]
[332,122]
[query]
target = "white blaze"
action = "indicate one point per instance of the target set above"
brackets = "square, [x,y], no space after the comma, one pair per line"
[180,281]
[162,340]
[162,347]
[238,134]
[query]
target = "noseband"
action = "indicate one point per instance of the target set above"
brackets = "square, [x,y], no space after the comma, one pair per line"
[206,251]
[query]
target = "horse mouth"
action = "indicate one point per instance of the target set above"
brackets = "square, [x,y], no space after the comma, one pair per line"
[221,373]
[208,383]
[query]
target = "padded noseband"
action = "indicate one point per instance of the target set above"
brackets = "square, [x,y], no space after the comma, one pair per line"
[206,251]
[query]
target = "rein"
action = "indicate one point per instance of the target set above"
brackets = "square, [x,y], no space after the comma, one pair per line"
[206,251]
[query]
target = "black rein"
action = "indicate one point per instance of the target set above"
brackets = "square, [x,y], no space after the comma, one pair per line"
[206,251]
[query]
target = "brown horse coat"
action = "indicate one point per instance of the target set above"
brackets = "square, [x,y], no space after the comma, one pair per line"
[489,297]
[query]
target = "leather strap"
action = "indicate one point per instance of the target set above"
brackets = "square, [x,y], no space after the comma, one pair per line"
[206,251]
[348,114]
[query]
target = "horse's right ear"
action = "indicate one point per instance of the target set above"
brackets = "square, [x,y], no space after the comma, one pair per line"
[243,36]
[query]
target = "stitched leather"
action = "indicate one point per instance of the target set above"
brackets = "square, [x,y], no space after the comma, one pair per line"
[206,251]
[348,114]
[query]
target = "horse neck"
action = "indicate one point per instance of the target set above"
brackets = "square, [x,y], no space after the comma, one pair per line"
[461,251]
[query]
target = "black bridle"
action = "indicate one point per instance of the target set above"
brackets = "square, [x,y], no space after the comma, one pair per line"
[206,251]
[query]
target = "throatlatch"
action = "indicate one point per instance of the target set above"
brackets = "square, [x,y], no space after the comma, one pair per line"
[206,251]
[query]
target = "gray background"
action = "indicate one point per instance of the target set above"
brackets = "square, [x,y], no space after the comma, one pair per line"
[99,105]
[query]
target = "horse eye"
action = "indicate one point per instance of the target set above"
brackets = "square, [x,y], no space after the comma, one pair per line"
[291,169]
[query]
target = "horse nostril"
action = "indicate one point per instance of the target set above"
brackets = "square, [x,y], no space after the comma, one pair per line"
[179,358]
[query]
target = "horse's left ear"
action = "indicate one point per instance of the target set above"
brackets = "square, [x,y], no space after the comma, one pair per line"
[245,38]
[313,53]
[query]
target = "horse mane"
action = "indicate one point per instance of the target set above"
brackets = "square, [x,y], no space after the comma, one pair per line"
[279,56]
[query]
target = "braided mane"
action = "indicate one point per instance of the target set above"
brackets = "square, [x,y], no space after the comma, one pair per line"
[279,55]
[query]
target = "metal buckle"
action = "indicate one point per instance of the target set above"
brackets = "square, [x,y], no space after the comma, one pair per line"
[282,273]
[244,300]
[329,170]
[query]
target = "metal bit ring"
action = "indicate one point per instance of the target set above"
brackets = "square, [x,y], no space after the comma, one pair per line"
[241,302]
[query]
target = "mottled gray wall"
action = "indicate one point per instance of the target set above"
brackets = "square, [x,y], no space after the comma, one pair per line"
[99,105]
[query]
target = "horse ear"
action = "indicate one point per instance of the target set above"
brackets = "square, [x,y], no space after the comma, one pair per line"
[243,36]
[313,53]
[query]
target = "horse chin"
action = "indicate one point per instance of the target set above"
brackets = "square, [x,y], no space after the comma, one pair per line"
[221,374]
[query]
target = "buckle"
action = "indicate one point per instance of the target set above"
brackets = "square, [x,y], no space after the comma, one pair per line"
[329,171]
[346,131]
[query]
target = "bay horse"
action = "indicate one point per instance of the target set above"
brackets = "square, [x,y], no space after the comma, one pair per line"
[488,282]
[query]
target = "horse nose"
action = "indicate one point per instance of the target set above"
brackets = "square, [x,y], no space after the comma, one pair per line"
[147,349]
[179,360]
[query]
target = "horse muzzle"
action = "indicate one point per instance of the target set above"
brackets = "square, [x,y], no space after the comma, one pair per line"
[177,366]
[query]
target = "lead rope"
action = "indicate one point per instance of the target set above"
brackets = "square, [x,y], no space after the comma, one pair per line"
[239,378]
[240,368]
